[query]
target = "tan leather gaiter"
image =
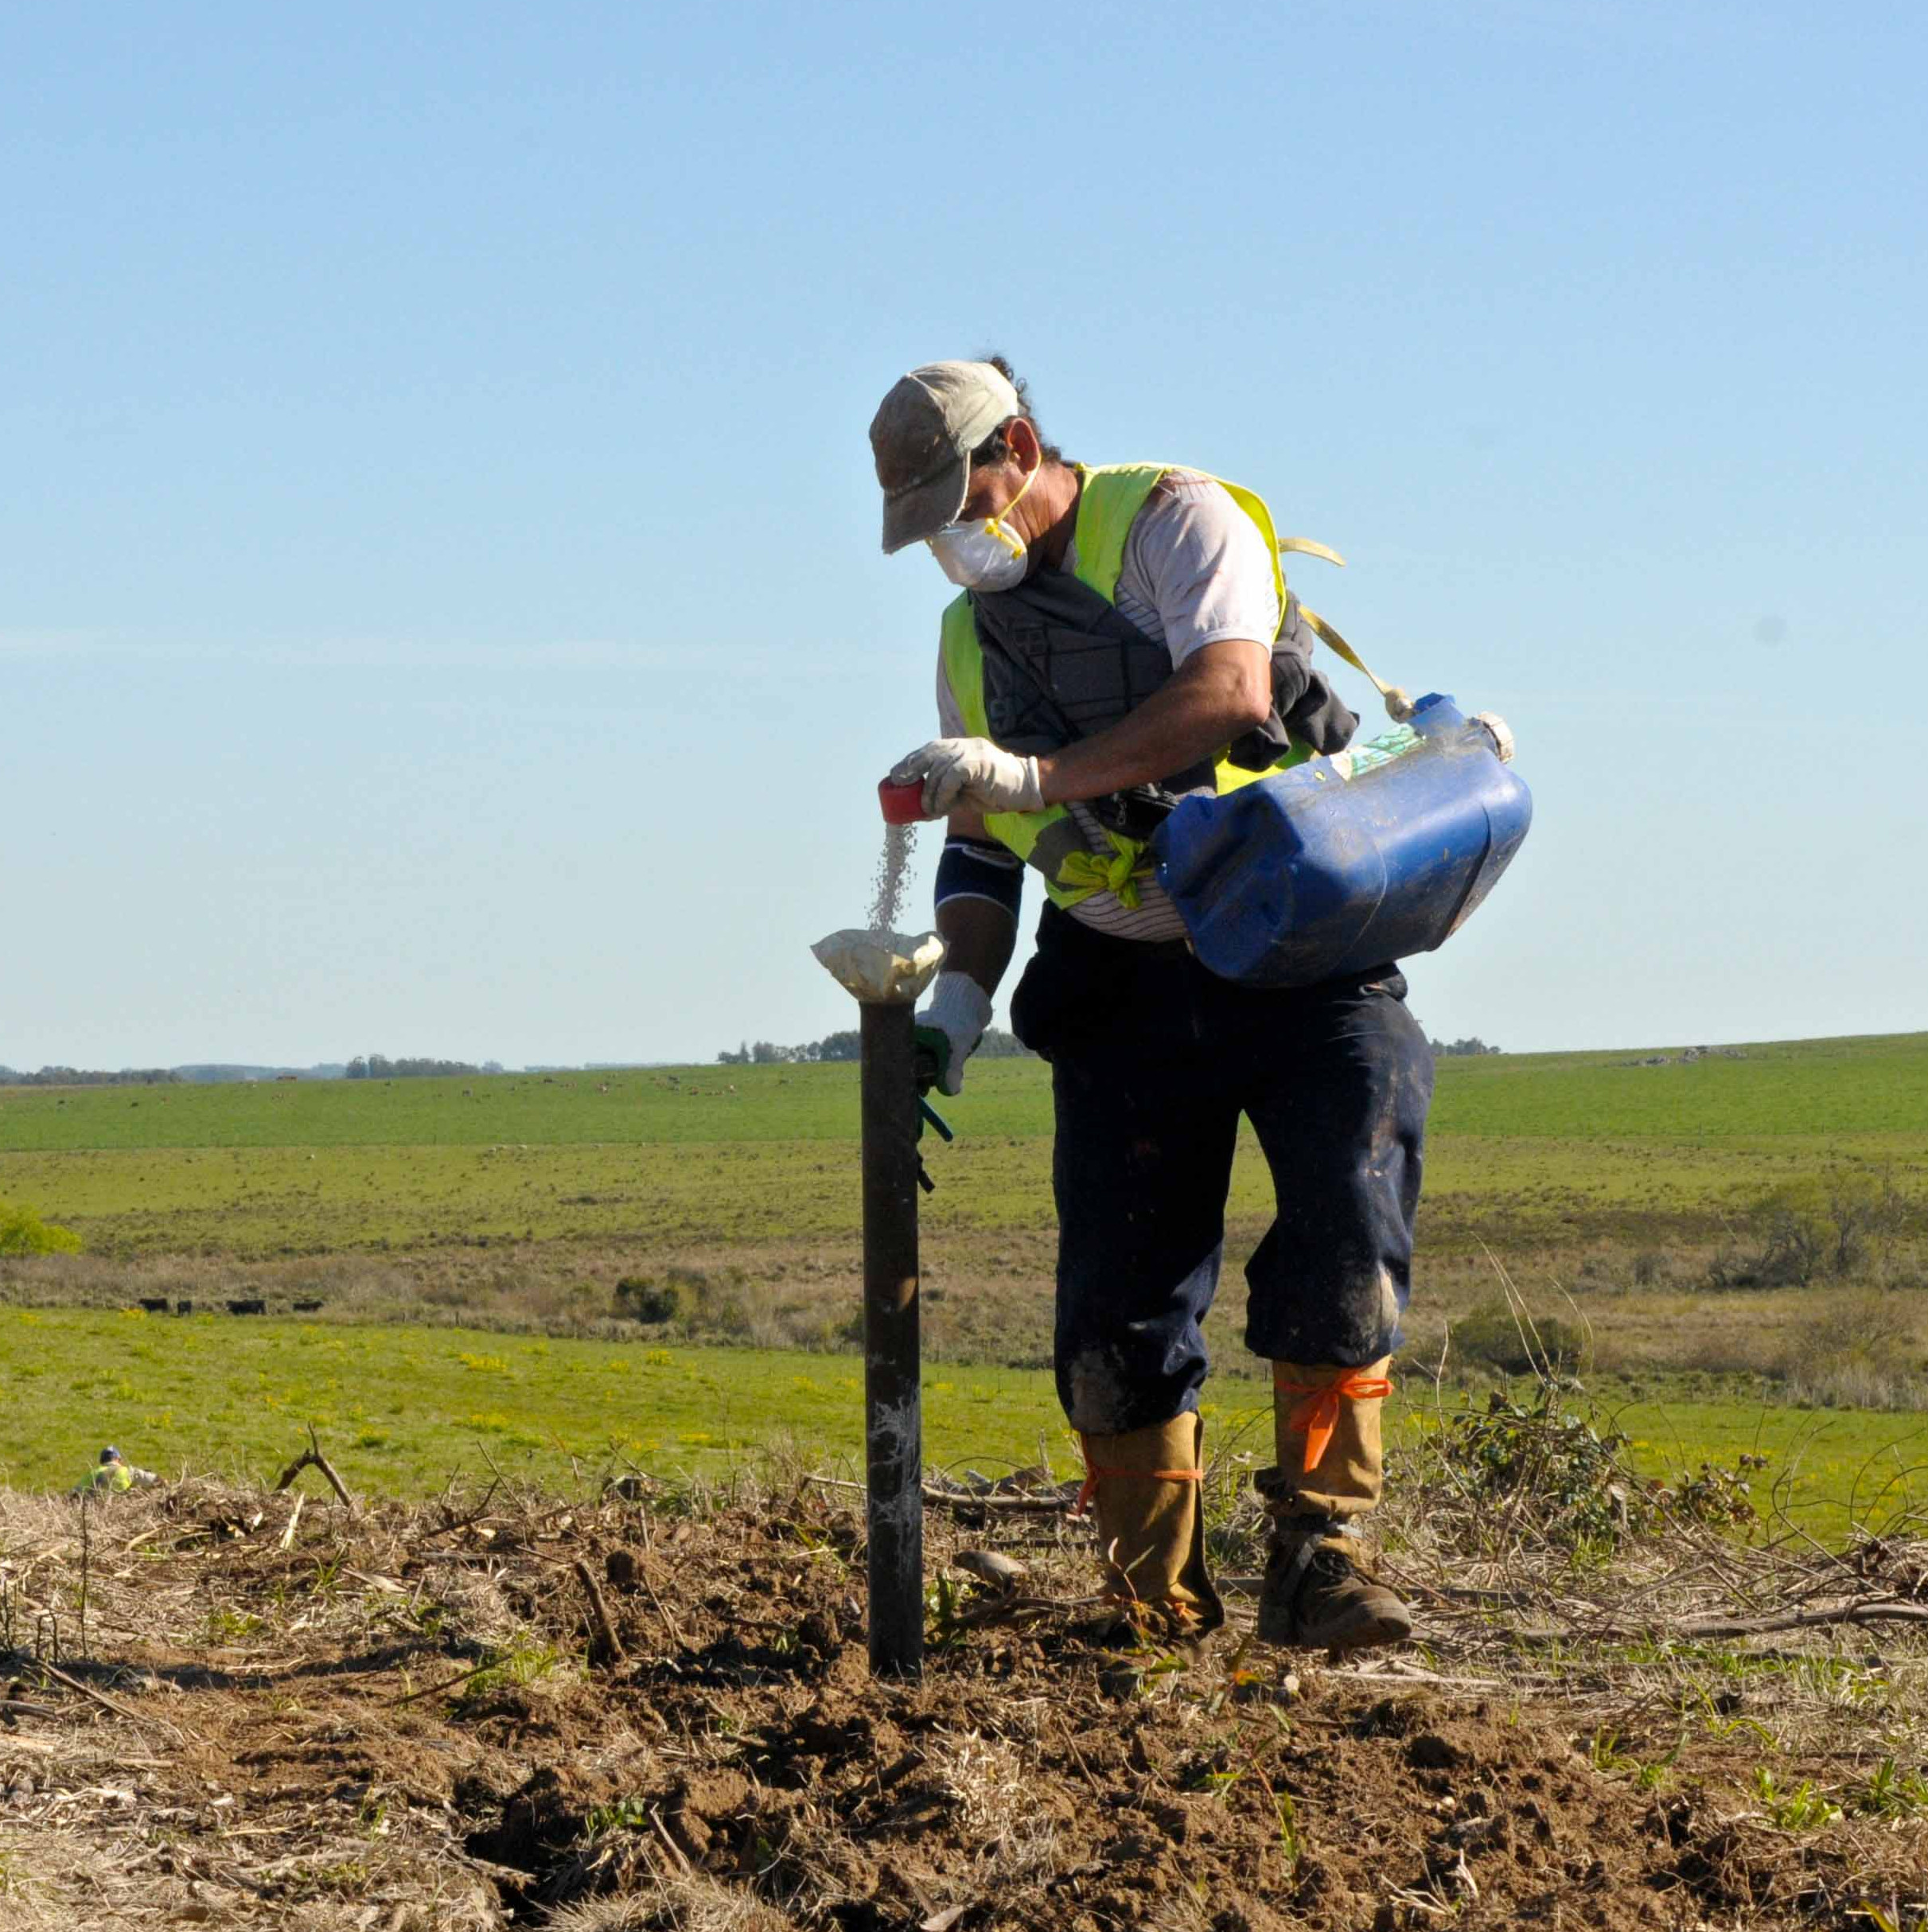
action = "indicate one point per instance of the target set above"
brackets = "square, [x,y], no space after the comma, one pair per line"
[1146,1485]
[1326,1425]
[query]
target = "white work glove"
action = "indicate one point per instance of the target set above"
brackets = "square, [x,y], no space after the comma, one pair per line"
[971,771]
[950,1027]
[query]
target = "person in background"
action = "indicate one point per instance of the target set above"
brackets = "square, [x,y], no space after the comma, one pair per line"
[112,1474]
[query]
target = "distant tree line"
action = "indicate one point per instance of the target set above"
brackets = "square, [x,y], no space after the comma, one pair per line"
[378,1066]
[77,1076]
[1474,1046]
[996,1045]
[218,1073]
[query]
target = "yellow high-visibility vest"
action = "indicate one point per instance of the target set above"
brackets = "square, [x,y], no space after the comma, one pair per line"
[1051,841]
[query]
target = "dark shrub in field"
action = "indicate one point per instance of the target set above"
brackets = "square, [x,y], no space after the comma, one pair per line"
[1495,1338]
[1845,1224]
[704,1302]
[644,1300]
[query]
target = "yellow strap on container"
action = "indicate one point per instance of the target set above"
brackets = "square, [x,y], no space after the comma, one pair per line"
[1304,546]
[1399,706]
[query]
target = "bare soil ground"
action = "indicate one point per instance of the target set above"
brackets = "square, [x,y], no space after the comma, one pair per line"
[652,1711]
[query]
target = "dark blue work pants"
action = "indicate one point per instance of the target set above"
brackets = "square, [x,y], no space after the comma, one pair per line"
[1153,1060]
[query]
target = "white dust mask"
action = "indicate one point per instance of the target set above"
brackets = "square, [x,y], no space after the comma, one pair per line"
[986,555]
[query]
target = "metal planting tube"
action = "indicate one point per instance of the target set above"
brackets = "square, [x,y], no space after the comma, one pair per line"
[893,1405]
[886,972]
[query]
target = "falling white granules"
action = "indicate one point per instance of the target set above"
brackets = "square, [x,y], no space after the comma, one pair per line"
[887,888]
[881,965]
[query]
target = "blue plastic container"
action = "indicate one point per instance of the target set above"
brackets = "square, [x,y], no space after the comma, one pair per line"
[1307,874]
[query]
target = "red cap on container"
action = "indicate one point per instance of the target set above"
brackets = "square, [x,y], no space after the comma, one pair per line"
[903,805]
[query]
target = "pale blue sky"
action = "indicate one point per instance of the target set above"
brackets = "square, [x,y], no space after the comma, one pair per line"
[440,603]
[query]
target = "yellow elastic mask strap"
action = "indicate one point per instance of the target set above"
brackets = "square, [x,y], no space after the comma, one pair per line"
[995,524]
[1084,874]
[1399,706]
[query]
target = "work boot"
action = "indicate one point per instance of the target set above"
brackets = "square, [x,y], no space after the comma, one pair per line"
[1315,1596]
[1330,1471]
[1145,1486]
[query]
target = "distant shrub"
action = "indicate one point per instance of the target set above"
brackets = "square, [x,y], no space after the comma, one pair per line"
[712,1302]
[1794,1245]
[1864,1212]
[724,1312]
[1598,1271]
[1843,1224]
[642,1300]
[1494,1336]
[22,1232]
[1859,1352]
[1616,1270]
[703,1302]
[1651,1267]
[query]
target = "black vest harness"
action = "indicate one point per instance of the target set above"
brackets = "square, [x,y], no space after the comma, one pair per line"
[1062,664]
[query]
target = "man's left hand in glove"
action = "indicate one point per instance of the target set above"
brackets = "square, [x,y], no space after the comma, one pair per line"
[949,1028]
[971,774]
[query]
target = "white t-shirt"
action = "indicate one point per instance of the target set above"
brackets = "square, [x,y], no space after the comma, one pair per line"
[1195,572]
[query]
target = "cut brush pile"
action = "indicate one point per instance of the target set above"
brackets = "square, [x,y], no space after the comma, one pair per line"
[650,1709]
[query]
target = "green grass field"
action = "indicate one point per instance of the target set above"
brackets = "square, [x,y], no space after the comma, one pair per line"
[1871,1088]
[1541,1148]
[295,1200]
[378,1196]
[401,1409]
